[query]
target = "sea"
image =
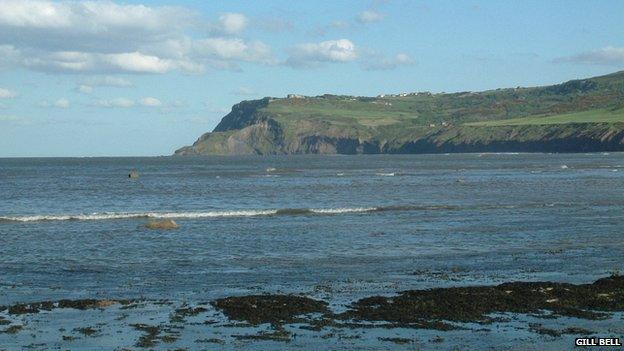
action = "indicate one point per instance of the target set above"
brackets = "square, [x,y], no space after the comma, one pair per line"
[337,228]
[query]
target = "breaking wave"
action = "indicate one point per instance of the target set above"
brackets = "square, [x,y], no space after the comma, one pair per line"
[125,215]
[187,215]
[272,212]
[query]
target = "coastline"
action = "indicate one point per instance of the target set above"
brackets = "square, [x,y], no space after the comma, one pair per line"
[539,313]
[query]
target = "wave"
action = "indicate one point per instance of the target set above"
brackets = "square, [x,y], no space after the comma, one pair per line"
[186,215]
[216,214]
[280,212]
[127,215]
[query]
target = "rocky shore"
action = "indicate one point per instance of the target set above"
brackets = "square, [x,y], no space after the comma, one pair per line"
[425,317]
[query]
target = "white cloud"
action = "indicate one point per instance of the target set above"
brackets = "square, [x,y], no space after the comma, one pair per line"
[7,94]
[140,63]
[220,52]
[313,54]
[606,56]
[150,102]
[61,103]
[88,26]
[377,62]
[233,23]
[119,102]
[369,16]
[107,37]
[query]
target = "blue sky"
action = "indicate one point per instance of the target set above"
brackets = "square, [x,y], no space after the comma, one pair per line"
[104,78]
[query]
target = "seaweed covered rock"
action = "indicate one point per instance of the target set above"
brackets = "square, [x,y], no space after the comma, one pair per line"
[274,309]
[475,303]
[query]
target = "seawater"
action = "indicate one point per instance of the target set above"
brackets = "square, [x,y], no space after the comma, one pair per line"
[362,225]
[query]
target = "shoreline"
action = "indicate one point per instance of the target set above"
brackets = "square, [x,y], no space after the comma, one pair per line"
[259,157]
[557,310]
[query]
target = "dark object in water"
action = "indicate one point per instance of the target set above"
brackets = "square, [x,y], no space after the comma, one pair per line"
[165,224]
[133,174]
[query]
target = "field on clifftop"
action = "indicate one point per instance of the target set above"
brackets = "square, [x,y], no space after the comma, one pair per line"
[511,119]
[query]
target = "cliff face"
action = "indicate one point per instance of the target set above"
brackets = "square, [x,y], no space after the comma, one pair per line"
[266,138]
[576,116]
[243,114]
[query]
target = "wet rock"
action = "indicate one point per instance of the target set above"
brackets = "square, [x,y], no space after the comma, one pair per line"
[539,329]
[437,339]
[33,307]
[14,329]
[399,341]
[106,303]
[190,311]
[78,304]
[169,338]
[164,224]
[83,304]
[474,304]
[150,337]
[181,313]
[274,309]
[86,331]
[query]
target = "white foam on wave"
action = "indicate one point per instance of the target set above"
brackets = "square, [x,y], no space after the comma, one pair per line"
[385,174]
[166,215]
[125,215]
[342,210]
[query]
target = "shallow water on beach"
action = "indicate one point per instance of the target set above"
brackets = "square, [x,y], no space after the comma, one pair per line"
[336,228]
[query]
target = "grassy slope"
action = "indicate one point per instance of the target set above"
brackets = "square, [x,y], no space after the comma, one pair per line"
[591,116]
[583,101]
[572,108]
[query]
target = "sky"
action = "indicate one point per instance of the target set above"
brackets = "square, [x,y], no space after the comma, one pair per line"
[143,78]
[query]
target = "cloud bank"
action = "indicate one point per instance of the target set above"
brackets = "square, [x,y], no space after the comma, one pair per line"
[106,37]
[315,54]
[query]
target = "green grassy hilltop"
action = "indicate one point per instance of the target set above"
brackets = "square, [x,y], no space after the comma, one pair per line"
[579,115]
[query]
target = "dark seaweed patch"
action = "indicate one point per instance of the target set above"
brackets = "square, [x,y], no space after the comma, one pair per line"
[14,329]
[84,304]
[150,336]
[396,340]
[181,313]
[277,335]
[474,304]
[274,309]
